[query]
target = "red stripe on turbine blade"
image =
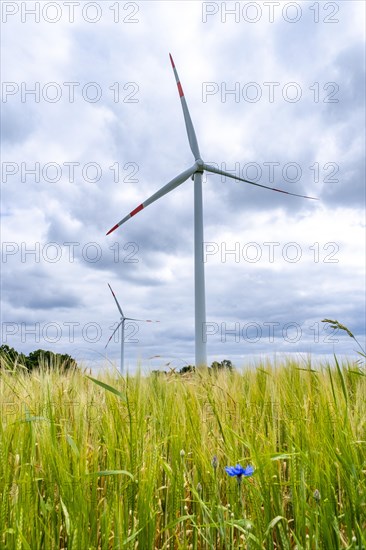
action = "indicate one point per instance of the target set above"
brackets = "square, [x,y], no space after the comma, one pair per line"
[293,194]
[171,60]
[285,192]
[108,341]
[180,89]
[113,294]
[140,207]
[113,229]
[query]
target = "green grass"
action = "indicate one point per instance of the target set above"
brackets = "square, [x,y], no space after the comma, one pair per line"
[84,467]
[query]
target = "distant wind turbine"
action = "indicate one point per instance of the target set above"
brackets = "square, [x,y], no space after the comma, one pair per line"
[122,325]
[195,172]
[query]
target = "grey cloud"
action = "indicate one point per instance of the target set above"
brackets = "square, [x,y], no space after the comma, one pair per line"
[152,134]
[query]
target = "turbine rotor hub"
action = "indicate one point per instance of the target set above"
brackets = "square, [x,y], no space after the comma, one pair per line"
[199,164]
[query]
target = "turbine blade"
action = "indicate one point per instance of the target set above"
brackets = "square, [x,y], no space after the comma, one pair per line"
[215,170]
[142,320]
[113,333]
[187,117]
[163,191]
[115,298]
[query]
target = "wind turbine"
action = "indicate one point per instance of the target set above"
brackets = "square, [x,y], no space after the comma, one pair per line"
[122,325]
[195,172]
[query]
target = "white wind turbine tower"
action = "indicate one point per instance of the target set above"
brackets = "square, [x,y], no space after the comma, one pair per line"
[122,325]
[195,172]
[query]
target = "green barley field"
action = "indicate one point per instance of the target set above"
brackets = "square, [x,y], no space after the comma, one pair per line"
[139,461]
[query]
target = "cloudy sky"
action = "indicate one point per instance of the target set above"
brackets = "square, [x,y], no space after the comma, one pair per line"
[92,126]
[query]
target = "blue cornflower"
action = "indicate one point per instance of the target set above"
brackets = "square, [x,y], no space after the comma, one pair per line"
[239,471]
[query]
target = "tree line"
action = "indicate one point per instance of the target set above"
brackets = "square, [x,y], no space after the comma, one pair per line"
[10,358]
